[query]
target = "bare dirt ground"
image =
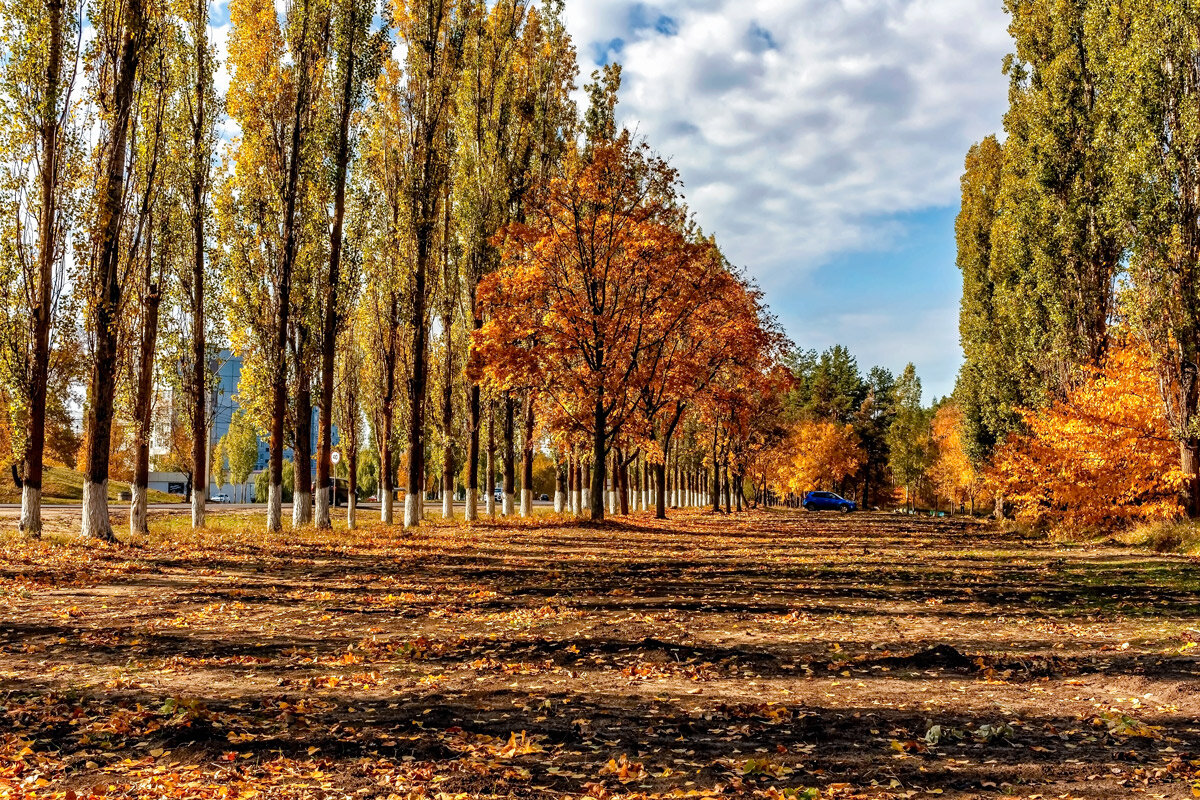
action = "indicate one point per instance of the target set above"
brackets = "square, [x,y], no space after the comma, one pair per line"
[772,654]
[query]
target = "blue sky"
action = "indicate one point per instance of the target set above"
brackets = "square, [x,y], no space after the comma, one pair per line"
[822,142]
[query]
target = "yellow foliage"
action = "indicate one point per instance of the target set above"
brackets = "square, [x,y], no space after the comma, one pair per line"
[952,473]
[1102,456]
[822,453]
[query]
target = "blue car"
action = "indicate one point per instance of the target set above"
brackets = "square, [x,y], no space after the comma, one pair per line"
[828,501]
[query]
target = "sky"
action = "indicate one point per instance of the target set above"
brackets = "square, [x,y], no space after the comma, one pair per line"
[822,142]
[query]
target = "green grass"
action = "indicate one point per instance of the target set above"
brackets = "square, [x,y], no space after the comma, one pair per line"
[63,486]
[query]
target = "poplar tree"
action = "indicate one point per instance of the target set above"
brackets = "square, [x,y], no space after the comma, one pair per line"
[356,63]
[40,148]
[1152,79]
[432,33]
[124,33]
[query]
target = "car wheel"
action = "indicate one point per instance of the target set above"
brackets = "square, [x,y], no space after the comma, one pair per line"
[808,507]
[844,509]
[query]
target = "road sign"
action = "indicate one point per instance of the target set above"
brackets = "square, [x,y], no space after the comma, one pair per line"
[335,456]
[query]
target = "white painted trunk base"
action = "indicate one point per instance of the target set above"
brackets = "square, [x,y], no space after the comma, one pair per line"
[301,509]
[385,508]
[351,508]
[612,502]
[472,511]
[138,524]
[31,511]
[412,510]
[96,524]
[526,503]
[509,500]
[321,517]
[275,508]
[447,505]
[197,509]
[560,502]
[585,502]
[490,505]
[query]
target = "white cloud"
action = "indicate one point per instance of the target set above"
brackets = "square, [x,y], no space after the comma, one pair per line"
[793,122]
[797,125]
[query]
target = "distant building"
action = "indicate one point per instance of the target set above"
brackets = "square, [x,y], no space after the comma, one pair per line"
[228,369]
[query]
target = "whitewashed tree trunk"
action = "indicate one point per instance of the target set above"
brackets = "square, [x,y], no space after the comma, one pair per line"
[585,500]
[96,524]
[447,505]
[490,504]
[275,507]
[509,500]
[385,508]
[351,507]
[198,497]
[138,524]
[412,510]
[472,512]
[526,503]
[301,510]
[322,517]
[560,502]
[31,510]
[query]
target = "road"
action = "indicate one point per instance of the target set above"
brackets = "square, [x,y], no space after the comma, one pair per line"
[12,511]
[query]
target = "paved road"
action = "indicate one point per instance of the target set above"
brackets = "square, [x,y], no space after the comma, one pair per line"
[13,510]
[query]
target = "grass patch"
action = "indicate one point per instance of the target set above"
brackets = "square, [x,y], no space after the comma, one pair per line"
[62,485]
[1167,536]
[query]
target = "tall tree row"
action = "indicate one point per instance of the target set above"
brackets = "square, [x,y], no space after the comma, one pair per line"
[1092,189]
[407,232]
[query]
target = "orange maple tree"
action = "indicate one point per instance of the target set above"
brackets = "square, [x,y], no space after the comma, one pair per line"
[1102,456]
[592,292]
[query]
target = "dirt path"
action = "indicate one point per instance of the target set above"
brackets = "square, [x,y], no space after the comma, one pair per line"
[770,655]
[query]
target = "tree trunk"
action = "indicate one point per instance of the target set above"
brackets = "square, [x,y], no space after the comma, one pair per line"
[351,449]
[302,452]
[283,296]
[725,486]
[448,482]
[560,488]
[610,495]
[586,490]
[622,483]
[527,459]
[201,170]
[510,474]
[660,490]
[1189,462]
[332,311]
[387,494]
[107,297]
[491,460]
[39,358]
[417,385]
[600,421]
[138,524]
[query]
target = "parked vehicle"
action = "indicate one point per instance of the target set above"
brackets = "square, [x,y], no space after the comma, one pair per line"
[544,497]
[220,498]
[828,501]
